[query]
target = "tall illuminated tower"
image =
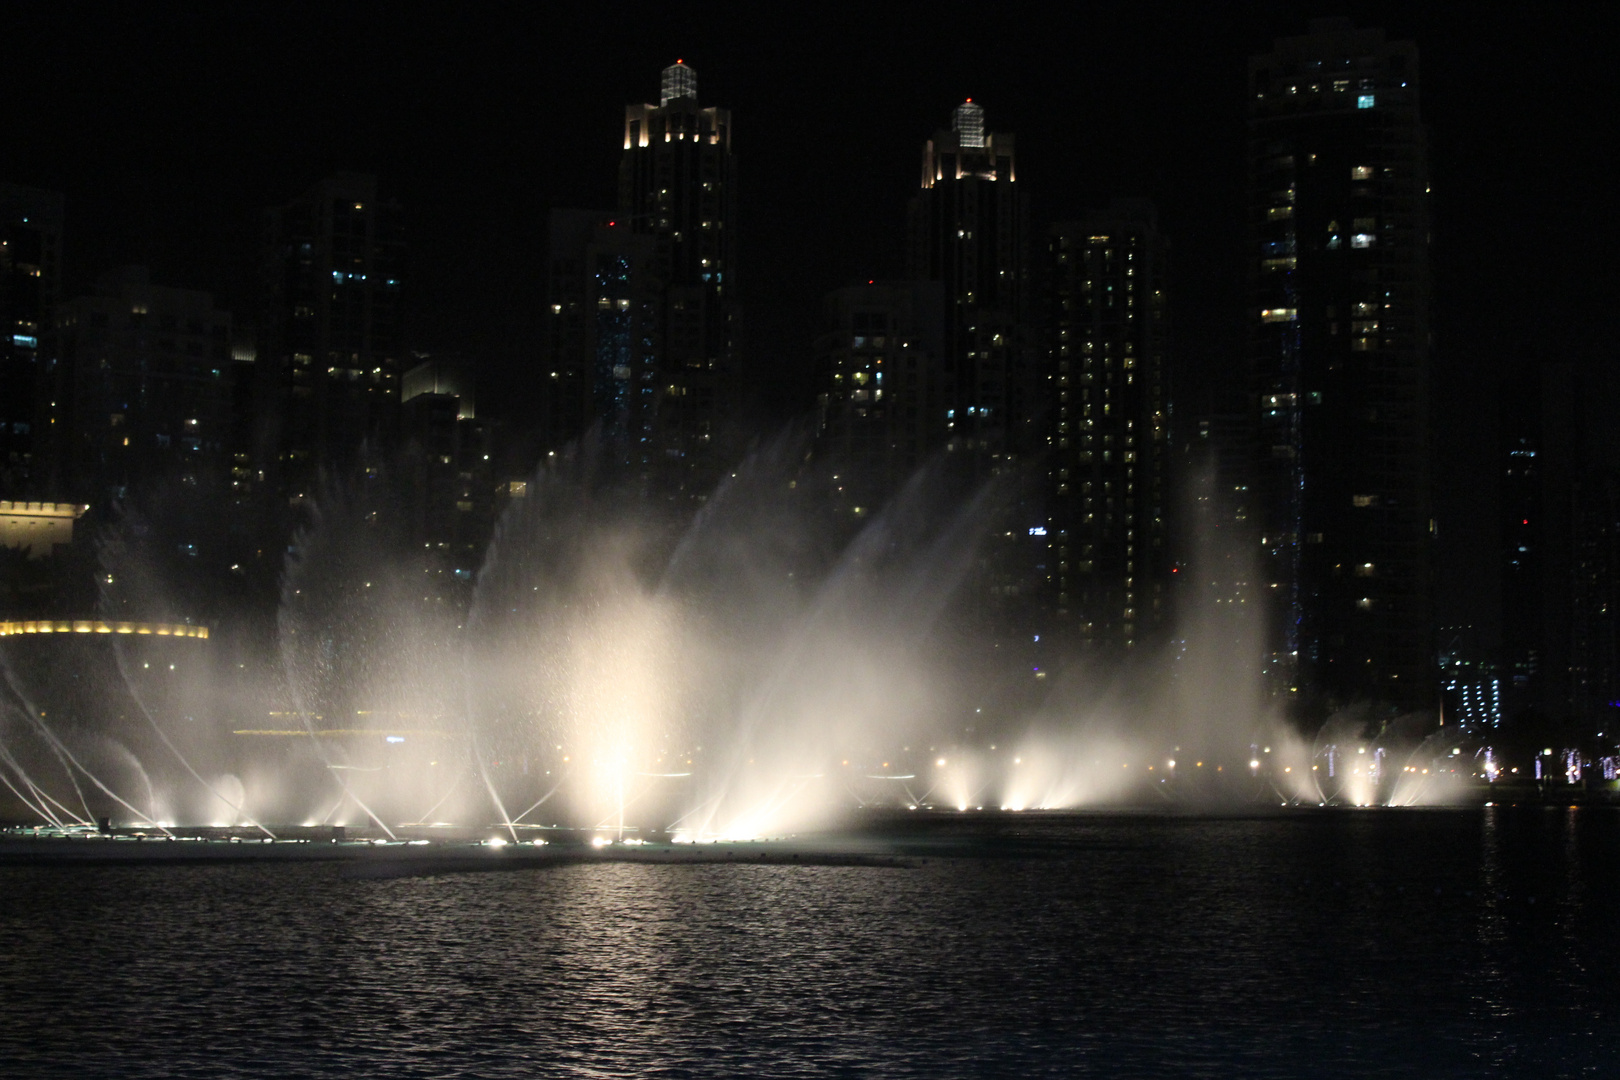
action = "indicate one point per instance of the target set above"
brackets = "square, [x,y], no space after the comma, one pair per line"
[1107,428]
[967,230]
[1340,353]
[677,184]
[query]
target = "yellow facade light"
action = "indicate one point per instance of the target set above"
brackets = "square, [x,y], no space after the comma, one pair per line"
[101,626]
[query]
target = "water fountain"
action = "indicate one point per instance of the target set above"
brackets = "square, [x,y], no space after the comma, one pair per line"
[757,669]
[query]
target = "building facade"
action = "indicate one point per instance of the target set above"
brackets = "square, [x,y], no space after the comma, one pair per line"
[603,360]
[1560,543]
[1340,355]
[30,286]
[967,229]
[448,483]
[1470,686]
[327,376]
[147,387]
[677,186]
[1106,467]
[882,404]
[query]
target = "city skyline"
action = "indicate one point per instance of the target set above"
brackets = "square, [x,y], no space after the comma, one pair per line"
[479,288]
[535,539]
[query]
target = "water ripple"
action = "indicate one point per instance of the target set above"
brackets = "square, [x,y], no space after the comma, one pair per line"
[1438,944]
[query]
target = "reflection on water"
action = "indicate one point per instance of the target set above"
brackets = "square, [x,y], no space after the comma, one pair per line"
[1436,943]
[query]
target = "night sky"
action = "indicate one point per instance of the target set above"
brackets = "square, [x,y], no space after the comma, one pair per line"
[169,127]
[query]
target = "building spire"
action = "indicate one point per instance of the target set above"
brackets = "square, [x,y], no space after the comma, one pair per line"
[679,81]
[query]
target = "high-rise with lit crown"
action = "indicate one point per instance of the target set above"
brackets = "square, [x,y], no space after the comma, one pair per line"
[1340,354]
[967,229]
[677,185]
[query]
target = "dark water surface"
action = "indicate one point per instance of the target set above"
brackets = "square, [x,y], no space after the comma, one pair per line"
[1332,944]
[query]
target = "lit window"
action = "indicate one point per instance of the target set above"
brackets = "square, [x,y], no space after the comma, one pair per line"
[1366,101]
[1274,315]
[1364,501]
[1361,172]
[1365,603]
[1362,240]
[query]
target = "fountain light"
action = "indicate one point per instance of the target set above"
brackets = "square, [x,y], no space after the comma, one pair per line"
[622,674]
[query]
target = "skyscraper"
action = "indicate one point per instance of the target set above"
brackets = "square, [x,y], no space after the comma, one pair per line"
[967,229]
[30,285]
[448,492]
[603,362]
[1531,533]
[1560,542]
[1107,431]
[329,352]
[1340,352]
[677,185]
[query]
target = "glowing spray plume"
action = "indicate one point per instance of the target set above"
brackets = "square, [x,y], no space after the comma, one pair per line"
[760,667]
